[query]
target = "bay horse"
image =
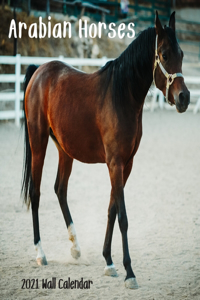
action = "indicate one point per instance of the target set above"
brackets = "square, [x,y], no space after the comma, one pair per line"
[97,118]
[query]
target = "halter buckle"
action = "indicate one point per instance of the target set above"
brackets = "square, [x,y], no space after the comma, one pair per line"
[170,79]
[157,58]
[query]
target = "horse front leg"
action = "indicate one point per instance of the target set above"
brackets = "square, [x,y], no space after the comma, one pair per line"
[116,171]
[110,267]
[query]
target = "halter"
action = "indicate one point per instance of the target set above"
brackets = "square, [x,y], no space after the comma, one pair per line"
[170,77]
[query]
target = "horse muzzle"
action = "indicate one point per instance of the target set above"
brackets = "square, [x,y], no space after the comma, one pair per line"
[182,101]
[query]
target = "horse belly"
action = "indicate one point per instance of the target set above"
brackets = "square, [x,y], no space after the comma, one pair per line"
[79,137]
[83,148]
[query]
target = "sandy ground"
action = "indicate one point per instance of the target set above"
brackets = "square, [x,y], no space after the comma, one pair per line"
[163,206]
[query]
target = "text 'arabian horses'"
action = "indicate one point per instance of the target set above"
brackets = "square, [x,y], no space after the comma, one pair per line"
[97,118]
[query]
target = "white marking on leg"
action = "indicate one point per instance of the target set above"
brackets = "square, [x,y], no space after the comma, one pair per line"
[75,250]
[110,270]
[110,267]
[40,258]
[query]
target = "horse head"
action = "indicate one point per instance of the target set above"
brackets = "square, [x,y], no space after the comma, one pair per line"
[168,65]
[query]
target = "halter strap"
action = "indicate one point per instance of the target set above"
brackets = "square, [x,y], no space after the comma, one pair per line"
[170,77]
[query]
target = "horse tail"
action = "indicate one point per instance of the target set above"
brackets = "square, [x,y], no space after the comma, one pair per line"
[27,184]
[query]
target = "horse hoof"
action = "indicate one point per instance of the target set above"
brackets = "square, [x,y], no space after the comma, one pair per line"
[110,271]
[131,283]
[75,252]
[41,261]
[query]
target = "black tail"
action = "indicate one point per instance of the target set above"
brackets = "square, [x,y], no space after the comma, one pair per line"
[27,185]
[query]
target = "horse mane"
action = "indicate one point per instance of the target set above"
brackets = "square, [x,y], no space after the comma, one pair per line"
[134,65]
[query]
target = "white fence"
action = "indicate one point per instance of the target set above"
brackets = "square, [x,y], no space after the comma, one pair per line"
[17,78]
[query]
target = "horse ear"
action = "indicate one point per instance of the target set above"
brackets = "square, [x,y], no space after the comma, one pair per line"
[159,28]
[172,21]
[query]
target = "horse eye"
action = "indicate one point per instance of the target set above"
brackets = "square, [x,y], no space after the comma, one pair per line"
[164,56]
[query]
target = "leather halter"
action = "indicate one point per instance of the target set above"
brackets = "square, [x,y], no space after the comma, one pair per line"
[170,77]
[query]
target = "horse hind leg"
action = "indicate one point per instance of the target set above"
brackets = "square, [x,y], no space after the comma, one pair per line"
[38,153]
[64,171]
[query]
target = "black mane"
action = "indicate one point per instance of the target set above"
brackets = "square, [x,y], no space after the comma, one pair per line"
[132,67]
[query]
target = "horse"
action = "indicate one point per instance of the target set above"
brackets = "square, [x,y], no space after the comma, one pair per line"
[97,118]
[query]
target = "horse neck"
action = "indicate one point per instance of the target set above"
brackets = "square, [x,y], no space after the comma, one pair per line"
[140,64]
[129,77]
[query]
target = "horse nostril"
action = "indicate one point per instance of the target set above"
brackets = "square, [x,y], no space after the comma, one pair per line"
[184,98]
[181,97]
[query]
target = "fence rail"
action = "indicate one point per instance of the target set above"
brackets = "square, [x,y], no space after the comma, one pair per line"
[18,78]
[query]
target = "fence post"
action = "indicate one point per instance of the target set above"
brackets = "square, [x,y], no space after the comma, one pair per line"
[17,89]
[104,60]
[61,58]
